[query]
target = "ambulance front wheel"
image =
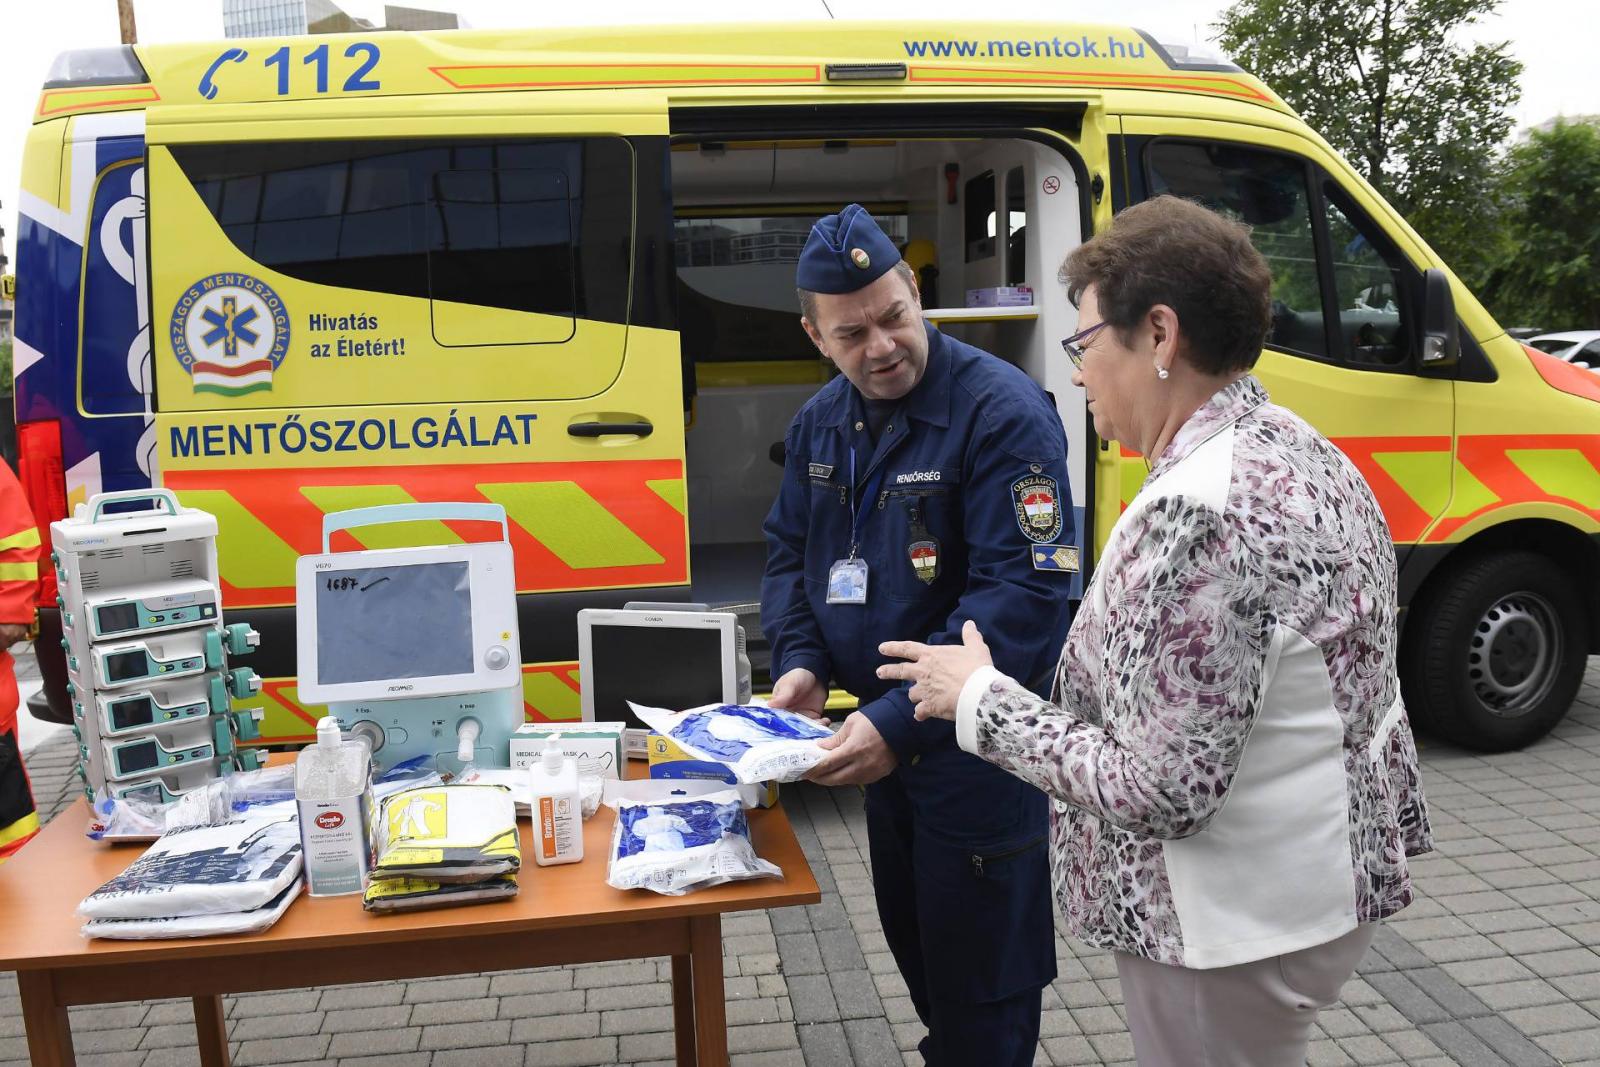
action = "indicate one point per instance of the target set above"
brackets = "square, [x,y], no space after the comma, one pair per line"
[1498,647]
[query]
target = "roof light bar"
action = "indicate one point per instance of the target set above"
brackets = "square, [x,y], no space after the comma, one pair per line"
[96,66]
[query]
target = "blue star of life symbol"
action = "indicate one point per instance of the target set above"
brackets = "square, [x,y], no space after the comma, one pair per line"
[230,326]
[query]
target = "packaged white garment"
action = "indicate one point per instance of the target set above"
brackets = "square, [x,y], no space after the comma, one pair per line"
[557,810]
[415,894]
[220,925]
[757,744]
[137,818]
[237,866]
[677,843]
[447,833]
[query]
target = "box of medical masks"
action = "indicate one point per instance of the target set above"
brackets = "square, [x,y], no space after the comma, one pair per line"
[596,746]
[669,761]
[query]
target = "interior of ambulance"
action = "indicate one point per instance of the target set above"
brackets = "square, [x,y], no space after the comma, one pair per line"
[967,214]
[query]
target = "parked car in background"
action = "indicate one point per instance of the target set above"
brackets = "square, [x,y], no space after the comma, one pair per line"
[1580,347]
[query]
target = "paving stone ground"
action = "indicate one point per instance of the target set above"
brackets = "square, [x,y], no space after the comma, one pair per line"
[1498,961]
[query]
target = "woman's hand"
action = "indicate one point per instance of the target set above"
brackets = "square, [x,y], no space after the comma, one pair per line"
[938,671]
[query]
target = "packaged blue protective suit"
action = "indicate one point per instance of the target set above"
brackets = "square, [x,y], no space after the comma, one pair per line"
[674,844]
[757,744]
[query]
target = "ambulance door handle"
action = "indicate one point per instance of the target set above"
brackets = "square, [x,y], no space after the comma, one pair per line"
[641,428]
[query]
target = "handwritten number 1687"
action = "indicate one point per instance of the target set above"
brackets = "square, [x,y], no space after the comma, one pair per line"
[318,58]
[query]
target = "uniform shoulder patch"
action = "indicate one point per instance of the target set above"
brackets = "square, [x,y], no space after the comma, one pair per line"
[1055,558]
[1037,499]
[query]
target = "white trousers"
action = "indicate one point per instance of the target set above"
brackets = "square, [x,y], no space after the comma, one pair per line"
[1256,1014]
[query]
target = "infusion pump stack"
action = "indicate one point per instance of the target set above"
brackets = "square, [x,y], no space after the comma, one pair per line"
[414,649]
[149,660]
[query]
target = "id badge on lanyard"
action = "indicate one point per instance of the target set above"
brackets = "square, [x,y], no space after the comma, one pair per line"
[847,578]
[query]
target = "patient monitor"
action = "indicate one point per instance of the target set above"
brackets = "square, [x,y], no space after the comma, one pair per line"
[415,649]
[673,656]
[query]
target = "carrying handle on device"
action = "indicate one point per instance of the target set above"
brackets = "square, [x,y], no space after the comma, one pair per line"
[375,516]
[160,497]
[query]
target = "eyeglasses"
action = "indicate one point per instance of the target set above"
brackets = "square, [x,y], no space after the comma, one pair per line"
[1074,345]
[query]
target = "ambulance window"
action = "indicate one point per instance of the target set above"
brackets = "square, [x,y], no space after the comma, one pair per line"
[736,301]
[509,240]
[1369,279]
[980,228]
[1268,191]
[1016,229]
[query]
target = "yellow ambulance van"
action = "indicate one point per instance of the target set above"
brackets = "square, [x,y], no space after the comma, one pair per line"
[554,270]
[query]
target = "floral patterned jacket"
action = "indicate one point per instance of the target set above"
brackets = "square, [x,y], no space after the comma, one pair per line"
[1232,771]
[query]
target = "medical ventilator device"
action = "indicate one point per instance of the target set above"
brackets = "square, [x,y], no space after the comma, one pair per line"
[149,659]
[415,650]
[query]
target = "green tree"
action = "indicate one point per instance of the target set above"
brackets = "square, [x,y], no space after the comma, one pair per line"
[1550,270]
[5,368]
[1421,116]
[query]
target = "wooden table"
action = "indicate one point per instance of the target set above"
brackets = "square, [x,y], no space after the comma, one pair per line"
[563,914]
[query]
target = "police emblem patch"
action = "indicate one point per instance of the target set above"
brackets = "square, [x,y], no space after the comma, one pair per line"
[859,257]
[230,331]
[1037,499]
[924,557]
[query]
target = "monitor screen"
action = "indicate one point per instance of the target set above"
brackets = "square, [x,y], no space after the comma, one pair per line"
[138,711]
[140,756]
[115,618]
[407,621]
[658,666]
[122,666]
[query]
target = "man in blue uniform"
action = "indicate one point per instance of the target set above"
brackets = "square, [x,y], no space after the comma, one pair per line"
[924,486]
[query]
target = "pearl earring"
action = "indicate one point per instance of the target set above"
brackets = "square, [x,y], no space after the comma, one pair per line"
[1161,372]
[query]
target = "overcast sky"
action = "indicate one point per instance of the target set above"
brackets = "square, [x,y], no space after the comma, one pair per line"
[1555,39]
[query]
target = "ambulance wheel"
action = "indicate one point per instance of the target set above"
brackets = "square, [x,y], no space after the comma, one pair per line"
[1499,644]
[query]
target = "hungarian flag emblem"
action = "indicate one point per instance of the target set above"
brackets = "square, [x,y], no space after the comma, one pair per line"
[1038,503]
[924,559]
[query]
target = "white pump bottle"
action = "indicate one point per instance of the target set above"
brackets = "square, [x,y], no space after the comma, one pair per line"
[557,807]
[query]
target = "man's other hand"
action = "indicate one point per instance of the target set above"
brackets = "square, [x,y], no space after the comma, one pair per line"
[801,691]
[11,633]
[857,755]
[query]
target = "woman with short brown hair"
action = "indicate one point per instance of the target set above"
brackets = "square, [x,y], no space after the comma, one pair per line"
[1235,784]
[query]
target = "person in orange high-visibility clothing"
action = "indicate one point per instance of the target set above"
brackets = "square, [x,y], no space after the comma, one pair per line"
[19,582]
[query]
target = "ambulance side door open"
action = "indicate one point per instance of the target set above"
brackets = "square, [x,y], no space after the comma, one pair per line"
[1346,303]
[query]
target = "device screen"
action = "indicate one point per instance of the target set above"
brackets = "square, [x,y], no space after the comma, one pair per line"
[131,759]
[375,623]
[657,666]
[125,665]
[126,714]
[115,618]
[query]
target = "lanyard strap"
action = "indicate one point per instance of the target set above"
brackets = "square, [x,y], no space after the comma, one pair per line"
[856,500]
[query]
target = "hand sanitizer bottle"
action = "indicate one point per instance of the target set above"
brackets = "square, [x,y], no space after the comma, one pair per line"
[330,790]
[557,808]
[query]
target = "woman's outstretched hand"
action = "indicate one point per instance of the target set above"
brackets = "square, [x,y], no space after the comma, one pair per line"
[938,672]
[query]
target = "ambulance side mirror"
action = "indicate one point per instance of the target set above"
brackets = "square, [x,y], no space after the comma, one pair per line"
[1440,347]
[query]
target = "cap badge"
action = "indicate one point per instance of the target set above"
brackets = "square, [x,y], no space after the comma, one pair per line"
[859,257]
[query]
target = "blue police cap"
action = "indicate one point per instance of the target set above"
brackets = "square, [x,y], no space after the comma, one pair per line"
[845,252]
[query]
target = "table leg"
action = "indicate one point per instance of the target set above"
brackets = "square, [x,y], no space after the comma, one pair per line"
[710,1006]
[683,1009]
[49,1029]
[212,1030]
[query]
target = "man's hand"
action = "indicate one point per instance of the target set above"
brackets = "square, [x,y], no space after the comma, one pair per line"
[11,633]
[939,672]
[801,691]
[857,755]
